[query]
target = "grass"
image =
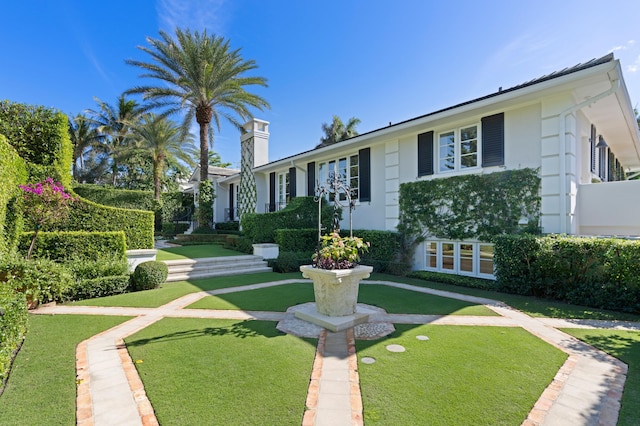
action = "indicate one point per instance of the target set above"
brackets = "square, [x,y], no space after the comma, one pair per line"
[535,307]
[42,386]
[223,372]
[460,376]
[195,252]
[171,291]
[624,345]
[393,300]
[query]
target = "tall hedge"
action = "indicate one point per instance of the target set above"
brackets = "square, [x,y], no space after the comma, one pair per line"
[13,172]
[13,325]
[90,246]
[301,212]
[40,135]
[596,272]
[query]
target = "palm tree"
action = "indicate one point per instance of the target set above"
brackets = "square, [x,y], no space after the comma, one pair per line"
[83,136]
[114,126]
[205,77]
[163,140]
[337,131]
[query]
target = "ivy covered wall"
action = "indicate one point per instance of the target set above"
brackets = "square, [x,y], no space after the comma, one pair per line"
[471,206]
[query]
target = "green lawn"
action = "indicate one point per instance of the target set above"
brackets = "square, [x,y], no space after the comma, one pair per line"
[171,291]
[41,389]
[195,251]
[624,345]
[393,300]
[460,376]
[222,372]
[533,306]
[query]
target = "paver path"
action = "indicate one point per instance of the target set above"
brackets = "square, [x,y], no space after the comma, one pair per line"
[586,390]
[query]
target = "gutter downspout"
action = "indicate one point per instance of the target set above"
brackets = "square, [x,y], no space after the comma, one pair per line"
[615,84]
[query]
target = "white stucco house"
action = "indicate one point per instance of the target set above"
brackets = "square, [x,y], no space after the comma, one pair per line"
[576,126]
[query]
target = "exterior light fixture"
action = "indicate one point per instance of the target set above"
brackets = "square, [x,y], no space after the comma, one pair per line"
[601,143]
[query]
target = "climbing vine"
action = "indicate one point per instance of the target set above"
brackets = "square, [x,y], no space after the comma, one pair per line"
[471,206]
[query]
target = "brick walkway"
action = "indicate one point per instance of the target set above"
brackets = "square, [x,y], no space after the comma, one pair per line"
[586,390]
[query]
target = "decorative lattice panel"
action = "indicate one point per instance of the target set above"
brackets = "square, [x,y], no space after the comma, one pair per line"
[248,197]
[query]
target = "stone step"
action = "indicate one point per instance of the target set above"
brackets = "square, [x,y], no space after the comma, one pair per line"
[184,269]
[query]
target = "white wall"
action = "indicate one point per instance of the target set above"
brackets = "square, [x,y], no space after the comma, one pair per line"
[610,208]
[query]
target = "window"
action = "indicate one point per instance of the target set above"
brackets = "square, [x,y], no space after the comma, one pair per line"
[463,258]
[348,168]
[458,149]
[283,190]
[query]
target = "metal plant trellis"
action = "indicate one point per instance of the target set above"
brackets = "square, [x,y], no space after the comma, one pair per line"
[336,185]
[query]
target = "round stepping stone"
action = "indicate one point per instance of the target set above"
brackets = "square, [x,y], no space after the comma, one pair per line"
[395,348]
[368,360]
[422,337]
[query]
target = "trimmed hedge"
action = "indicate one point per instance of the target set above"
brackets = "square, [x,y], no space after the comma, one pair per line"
[172,228]
[86,215]
[227,226]
[597,272]
[301,212]
[98,287]
[460,280]
[13,172]
[40,135]
[13,326]
[104,276]
[149,275]
[297,240]
[60,246]
[290,261]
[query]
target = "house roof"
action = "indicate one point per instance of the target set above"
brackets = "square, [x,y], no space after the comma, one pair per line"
[607,59]
[214,171]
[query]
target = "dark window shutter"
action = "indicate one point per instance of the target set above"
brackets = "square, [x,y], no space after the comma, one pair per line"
[425,154]
[493,140]
[592,147]
[364,159]
[292,182]
[231,201]
[272,191]
[311,178]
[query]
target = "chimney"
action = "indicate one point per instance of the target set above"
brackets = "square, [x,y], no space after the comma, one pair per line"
[259,147]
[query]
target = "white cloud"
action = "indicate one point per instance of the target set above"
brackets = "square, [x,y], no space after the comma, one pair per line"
[194,15]
[635,66]
[629,44]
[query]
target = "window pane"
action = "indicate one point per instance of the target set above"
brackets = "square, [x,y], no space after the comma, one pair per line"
[486,259]
[432,255]
[322,174]
[468,133]
[447,256]
[447,151]
[466,257]
[470,160]
[447,164]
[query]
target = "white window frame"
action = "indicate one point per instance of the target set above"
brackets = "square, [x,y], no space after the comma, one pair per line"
[457,146]
[334,164]
[457,250]
[283,195]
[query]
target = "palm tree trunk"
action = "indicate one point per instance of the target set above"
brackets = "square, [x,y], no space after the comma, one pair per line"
[157,173]
[203,117]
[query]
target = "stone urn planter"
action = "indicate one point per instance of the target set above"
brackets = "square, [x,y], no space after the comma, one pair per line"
[336,290]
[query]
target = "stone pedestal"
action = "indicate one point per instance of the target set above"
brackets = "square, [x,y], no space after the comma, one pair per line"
[336,291]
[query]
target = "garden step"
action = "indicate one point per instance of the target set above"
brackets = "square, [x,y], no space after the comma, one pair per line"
[184,269]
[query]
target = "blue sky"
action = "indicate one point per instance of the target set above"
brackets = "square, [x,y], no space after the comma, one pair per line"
[377,60]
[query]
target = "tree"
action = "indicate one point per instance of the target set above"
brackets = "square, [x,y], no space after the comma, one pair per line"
[83,137]
[113,123]
[160,138]
[202,75]
[216,160]
[337,131]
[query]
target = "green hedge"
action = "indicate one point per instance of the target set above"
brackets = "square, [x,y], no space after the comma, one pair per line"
[86,215]
[60,246]
[13,172]
[13,326]
[98,287]
[172,228]
[40,135]
[104,276]
[459,280]
[382,255]
[149,275]
[597,272]
[301,212]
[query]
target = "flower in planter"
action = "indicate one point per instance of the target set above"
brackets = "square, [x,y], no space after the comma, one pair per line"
[338,252]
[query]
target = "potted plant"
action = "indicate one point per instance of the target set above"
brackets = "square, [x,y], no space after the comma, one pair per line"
[336,274]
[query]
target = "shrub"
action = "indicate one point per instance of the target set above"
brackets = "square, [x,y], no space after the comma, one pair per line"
[460,280]
[13,172]
[41,280]
[98,287]
[173,228]
[297,240]
[384,250]
[149,275]
[238,243]
[60,246]
[291,261]
[301,212]
[13,326]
